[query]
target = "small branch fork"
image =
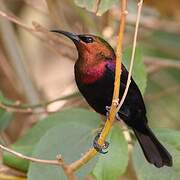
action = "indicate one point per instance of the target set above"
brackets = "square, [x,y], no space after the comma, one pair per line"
[58,162]
[71,168]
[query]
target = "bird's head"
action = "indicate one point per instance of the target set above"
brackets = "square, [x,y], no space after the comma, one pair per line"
[90,46]
[94,53]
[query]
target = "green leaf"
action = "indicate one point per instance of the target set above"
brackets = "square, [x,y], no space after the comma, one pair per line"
[15,162]
[162,44]
[169,136]
[75,117]
[70,139]
[5,119]
[92,5]
[114,163]
[162,101]
[146,171]
[139,73]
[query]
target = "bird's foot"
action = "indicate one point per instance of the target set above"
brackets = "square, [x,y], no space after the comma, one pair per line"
[98,147]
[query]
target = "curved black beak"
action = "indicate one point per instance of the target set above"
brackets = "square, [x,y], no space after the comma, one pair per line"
[74,37]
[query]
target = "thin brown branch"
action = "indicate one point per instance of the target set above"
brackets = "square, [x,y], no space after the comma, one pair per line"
[40,6]
[17,110]
[155,64]
[167,92]
[37,28]
[52,36]
[152,23]
[16,58]
[50,39]
[97,6]
[29,108]
[57,162]
[53,162]
[15,20]
[133,55]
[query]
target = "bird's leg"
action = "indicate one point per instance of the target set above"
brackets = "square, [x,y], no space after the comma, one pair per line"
[98,147]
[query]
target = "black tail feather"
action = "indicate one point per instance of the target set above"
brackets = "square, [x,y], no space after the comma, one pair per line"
[153,150]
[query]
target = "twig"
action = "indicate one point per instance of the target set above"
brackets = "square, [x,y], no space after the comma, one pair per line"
[15,20]
[40,6]
[28,108]
[12,109]
[50,39]
[155,64]
[54,162]
[167,92]
[69,173]
[132,56]
[40,28]
[16,57]
[58,162]
[92,152]
[152,23]
[37,27]
[97,6]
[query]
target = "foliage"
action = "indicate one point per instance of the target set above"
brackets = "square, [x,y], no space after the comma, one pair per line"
[60,132]
[96,6]
[71,132]
[27,143]
[70,137]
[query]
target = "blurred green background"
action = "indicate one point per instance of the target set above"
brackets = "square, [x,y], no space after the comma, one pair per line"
[37,67]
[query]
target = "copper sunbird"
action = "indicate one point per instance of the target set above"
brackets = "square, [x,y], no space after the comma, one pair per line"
[95,73]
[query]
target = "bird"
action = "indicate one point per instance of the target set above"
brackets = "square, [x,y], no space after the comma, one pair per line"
[94,72]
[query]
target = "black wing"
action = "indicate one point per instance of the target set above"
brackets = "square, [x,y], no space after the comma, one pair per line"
[133,106]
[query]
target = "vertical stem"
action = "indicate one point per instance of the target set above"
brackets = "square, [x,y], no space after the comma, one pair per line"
[109,122]
[132,55]
[119,49]
[115,100]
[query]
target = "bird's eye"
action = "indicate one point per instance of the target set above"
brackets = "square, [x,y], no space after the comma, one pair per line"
[86,39]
